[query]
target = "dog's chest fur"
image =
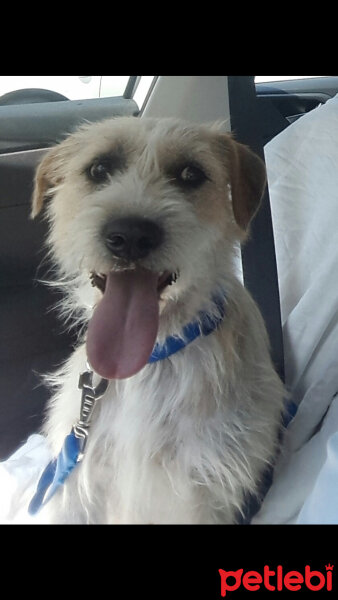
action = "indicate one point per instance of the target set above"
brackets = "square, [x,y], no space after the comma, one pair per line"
[177,443]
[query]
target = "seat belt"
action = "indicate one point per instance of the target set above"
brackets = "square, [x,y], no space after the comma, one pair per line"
[258,253]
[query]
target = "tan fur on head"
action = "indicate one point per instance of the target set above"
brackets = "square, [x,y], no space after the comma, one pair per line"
[201,223]
[50,173]
[244,170]
[42,183]
[247,178]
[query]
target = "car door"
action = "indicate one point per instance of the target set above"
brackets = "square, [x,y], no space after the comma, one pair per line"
[33,341]
[283,100]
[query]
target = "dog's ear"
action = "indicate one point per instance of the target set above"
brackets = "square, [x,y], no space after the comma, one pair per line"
[48,175]
[247,178]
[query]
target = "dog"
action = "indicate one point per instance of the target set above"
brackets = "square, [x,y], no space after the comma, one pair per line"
[145,217]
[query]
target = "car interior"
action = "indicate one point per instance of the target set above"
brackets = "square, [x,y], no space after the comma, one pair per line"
[33,340]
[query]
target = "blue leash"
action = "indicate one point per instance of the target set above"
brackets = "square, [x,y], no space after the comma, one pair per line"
[57,471]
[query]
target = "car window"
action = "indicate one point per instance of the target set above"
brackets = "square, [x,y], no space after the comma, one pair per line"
[73,87]
[267,78]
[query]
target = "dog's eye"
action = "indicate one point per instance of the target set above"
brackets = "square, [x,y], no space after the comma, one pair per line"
[99,171]
[192,176]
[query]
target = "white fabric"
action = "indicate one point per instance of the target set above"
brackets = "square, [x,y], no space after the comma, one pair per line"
[302,165]
[18,479]
[321,506]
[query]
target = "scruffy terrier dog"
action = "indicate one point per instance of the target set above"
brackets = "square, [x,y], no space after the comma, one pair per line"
[144,218]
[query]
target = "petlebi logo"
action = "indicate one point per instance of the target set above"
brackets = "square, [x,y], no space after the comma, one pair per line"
[276,579]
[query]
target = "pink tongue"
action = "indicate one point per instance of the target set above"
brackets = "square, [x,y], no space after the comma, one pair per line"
[123,329]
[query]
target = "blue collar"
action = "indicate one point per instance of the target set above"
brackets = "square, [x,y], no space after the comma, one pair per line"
[72,451]
[205,325]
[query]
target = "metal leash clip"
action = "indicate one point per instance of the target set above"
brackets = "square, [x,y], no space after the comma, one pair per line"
[89,397]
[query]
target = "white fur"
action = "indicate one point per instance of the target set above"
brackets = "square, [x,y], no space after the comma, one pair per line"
[186,438]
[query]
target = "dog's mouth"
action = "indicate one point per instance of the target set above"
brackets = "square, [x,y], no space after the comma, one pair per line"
[123,329]
[165,279]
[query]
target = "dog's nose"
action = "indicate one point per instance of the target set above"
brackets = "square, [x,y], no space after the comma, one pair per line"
[132,238]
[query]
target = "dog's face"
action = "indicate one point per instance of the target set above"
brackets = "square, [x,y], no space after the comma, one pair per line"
[144,208]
